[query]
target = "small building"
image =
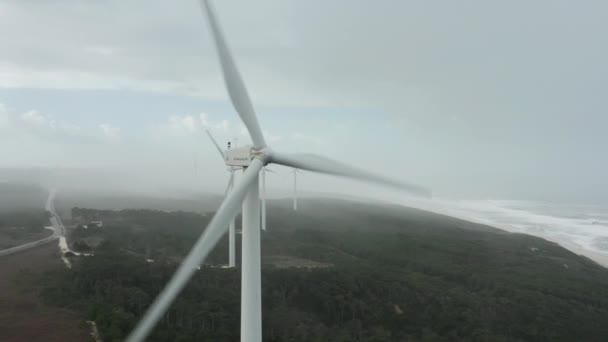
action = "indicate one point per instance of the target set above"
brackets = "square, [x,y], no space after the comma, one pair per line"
[92,224]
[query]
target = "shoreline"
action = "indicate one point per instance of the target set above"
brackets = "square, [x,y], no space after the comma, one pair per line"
[597,257]
[443,207]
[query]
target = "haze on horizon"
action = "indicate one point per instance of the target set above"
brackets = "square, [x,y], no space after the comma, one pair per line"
[474,99]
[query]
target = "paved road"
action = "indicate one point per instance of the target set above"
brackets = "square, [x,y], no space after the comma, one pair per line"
[58,230]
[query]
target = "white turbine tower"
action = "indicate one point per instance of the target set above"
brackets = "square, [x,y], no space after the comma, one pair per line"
[246,192]
[263,198]
[231,226]
[295,189]
[263,194]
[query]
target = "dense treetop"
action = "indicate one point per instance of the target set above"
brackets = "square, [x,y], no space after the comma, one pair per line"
[379,274]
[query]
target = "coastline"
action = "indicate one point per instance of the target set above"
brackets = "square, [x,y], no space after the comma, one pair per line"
[599,258]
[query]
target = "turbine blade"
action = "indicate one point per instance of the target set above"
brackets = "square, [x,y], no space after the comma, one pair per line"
[234,83]
[321,164]
[219,149]
[212,234]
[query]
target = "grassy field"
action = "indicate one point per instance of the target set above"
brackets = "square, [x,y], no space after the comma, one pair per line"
[14,236]
[23,315]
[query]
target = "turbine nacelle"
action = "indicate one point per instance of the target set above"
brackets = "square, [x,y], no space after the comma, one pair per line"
[239,156]
[244,155]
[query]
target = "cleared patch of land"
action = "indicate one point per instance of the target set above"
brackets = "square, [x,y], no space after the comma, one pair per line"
[23,315]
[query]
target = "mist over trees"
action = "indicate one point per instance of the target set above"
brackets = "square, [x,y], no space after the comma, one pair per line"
[381,274]
[15,196]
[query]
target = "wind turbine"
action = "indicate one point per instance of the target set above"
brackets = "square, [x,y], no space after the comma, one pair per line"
[252,159]
[295,189]
[263,194]
[230,185]
[263,197]
[231,226]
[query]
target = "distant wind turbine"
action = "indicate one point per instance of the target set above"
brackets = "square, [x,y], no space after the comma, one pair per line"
[295,188]
[263,194]
[252,159]
[231,226]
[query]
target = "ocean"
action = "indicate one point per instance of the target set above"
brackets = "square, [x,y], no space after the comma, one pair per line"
[582,229]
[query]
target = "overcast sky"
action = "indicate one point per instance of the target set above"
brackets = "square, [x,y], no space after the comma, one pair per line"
[475,99]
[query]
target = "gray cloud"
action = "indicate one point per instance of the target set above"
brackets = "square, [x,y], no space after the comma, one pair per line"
[487,98]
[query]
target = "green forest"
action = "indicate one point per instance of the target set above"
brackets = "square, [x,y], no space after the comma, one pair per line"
[379,274]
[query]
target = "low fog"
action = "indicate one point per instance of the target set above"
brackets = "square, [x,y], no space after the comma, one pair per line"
[474,100]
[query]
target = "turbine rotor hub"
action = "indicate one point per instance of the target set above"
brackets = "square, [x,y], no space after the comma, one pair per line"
[264,154]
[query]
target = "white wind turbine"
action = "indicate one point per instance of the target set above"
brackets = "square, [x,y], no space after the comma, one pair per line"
[263,195]
[246,192]
[231,226]
[231,169]
[295,188]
